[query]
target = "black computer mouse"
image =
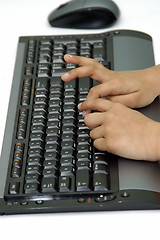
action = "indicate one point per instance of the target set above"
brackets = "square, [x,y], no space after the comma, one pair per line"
[85,14]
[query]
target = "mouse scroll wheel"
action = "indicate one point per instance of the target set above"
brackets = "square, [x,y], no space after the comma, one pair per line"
[62,5]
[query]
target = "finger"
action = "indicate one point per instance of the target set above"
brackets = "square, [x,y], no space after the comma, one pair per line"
[101,105]
[81,61]
[80,72]
[91,71]
[130,100]
[97,132]
[100,144]
[100,91]
[110,88]
[89,68]
[93,120]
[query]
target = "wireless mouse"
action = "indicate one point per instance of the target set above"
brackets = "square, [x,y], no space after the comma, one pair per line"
[85,14]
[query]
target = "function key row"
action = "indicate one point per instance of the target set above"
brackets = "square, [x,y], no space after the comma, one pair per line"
[56,52]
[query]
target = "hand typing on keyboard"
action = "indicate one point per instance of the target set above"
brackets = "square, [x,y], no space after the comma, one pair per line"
[132,88]
[117,128]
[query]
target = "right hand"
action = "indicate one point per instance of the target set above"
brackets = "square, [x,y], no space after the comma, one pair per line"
[132,88]
[120,130]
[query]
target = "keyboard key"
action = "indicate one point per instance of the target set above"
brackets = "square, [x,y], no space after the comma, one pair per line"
[42,84]
[34,161]
[37,137]
[32,178]
[49,185]
[17,163]
[52,148]
[67,161]
[67,170]
[68,136]
[33,169]
[38,129]
[100,168]
[84,165]
[100,182]
[31,188]
[56,81]
[51,156]
[84,85]
[16,172]
[35,153]
[53,140]
[50,173]
[98,54]
[65,184]
[70,86]
[43,73]
[59,72]
[14,188]
[49,164]
[83,180]
[36,144]
[67,152]
[68,145]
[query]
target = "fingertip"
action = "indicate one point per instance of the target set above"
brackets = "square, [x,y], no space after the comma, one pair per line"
[80,106]
[68,56]
[99,143]
[65,77]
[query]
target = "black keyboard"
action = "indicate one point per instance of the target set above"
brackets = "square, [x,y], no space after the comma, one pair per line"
[53,154]
[48,161]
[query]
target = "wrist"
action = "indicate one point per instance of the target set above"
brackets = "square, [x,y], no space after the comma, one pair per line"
[153,74]
[156,144]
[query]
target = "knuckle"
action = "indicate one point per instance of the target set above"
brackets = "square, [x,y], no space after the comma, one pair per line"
[91,68]
[87,105]
[87,119]
[83,105]
[73,72]
[95,143]
[96,104]
[95,62]
[117,106]
[77,70]
[92,91]
[108,129]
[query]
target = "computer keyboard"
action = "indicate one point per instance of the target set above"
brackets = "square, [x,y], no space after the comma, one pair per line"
[53,154]
[48,161]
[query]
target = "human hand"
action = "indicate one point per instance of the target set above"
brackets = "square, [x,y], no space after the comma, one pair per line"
[132,88]
[121,130]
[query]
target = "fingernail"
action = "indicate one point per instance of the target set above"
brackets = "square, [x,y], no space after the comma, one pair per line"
[68,55]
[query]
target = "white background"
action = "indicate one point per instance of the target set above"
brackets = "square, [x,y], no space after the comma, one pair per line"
[29,17]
